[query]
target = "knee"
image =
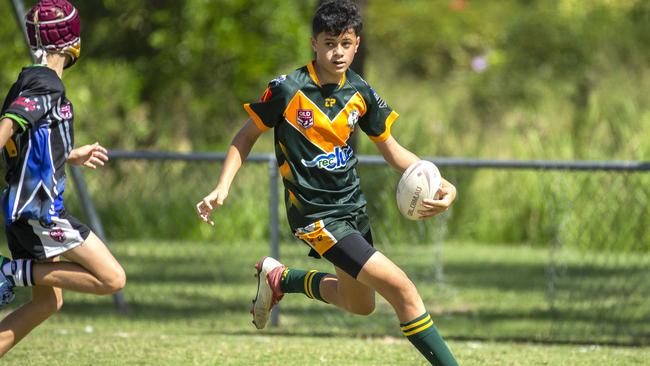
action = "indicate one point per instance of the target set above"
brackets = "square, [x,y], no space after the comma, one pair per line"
[406,290]
[114,282]
[361,308]
[49,305]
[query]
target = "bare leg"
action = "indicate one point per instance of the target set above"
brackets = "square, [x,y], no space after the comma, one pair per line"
[92,269]
[416,324]
[45,302]
[381,274]
[358,295]
[347,293]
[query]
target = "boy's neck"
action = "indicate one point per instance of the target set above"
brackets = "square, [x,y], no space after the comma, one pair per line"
[56,62]
[325,77]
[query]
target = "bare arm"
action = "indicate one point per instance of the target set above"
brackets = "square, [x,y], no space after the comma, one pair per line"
[238,151]
[400,158]
[7,128]
[396,155]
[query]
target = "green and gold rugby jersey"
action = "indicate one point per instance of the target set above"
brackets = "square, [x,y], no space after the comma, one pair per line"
[312,125]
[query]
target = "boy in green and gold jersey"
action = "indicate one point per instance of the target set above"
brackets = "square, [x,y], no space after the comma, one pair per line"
[313,111]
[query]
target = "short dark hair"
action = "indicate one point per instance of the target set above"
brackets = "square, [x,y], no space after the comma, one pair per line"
[336,17]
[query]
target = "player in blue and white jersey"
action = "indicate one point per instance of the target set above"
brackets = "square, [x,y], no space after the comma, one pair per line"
[37,137]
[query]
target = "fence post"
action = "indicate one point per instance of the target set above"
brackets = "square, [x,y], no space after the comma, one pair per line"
[19,13]
[94,222]
[439,246]
[274,222]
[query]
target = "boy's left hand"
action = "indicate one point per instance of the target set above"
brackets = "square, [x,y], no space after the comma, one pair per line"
[446,195]
[89,155]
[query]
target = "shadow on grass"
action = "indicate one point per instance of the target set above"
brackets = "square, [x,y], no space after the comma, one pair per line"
[590,304]
[353,335]
[190,271]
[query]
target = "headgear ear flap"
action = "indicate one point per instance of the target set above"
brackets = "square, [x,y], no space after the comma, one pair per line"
[54,26]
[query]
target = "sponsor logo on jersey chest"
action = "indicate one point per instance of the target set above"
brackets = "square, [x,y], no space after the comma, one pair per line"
[305,118]
[330,161]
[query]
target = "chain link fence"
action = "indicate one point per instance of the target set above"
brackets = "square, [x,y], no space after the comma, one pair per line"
[537,251]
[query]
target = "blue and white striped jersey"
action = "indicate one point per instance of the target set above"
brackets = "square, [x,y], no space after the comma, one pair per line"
[35,155]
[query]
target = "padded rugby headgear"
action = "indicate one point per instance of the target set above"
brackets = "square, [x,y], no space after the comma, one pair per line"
[54,26]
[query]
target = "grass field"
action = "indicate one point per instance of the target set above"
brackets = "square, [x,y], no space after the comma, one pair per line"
[188,305]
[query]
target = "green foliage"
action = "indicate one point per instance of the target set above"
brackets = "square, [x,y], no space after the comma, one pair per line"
[177,71]
[535,79]
[155,200]
[102,114]
[551,67]
[199,60]
[561,80]
[13,52]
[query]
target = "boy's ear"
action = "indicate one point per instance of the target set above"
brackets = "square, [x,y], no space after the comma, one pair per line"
[356,48]
[313,43]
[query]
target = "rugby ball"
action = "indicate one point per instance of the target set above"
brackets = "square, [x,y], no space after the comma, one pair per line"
[421,180]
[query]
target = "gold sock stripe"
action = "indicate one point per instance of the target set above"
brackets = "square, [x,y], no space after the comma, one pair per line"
[308,278]
[419,329]
[313,274]
[285,273]
[416,324]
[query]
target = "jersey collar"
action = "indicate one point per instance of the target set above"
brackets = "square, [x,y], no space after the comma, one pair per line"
[314,77]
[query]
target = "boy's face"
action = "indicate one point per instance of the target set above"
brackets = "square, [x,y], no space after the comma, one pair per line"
[334,54]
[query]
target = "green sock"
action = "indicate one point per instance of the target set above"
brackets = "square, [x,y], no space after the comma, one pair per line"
[301,281]
[424,336]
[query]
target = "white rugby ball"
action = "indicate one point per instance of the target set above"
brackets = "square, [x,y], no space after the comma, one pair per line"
[421,180]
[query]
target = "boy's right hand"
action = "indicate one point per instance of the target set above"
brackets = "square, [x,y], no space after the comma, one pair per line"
[207,204]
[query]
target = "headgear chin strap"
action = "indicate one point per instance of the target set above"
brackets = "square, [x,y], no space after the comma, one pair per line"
[53,26]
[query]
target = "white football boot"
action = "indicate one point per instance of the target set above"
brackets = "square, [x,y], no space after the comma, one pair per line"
[269,293]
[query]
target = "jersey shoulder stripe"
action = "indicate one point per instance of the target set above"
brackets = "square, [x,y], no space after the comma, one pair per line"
[267,112]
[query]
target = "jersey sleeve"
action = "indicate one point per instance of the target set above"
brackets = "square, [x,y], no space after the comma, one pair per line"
[378,119]
[34,101]
[268,111]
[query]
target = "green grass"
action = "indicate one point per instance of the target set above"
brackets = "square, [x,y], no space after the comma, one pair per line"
[189,306]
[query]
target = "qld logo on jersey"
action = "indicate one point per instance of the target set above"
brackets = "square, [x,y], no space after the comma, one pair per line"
[305,118]
[66,111]
[330,161]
